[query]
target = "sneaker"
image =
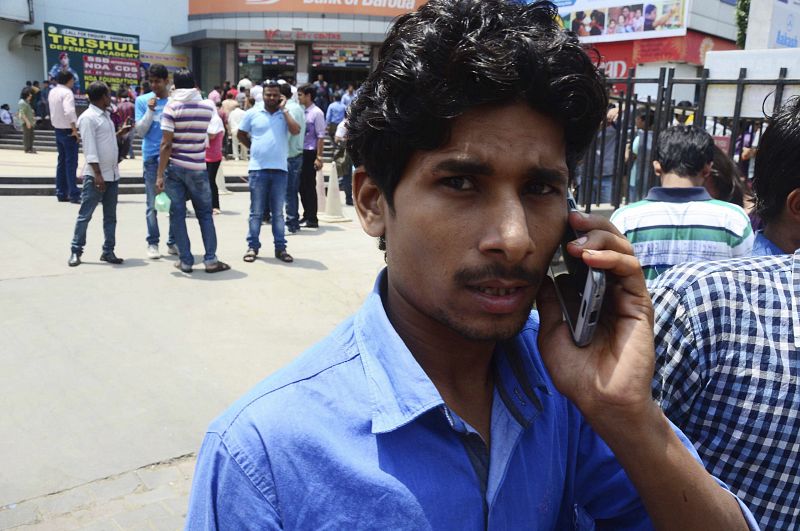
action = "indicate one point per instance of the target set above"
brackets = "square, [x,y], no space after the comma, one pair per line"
[172,249]
[152,252]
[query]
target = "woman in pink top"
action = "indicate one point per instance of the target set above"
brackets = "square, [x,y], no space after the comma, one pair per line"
[216,134]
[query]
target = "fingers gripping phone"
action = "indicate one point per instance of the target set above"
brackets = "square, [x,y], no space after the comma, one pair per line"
[580,290]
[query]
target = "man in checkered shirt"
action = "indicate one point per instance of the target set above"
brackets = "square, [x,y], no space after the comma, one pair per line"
[727,337]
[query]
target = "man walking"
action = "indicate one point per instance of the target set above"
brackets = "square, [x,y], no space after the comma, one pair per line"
[679,222]
[265,131]
[148,109]
[313,145]
[28,119]
[63,118]
[100,174]
[184,126]
[335,114]
[235,118]
[294,162]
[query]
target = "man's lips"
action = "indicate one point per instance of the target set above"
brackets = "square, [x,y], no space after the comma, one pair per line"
[500,297]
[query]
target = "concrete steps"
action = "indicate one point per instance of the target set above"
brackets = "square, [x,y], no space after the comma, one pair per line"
[16,186]
[45,140]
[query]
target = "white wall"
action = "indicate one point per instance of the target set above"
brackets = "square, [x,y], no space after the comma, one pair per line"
[17,66]
[679,92]
[713,17]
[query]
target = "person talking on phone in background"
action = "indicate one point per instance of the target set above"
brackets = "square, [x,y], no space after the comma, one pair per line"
[265,132]
[444,403]
[100,174]
[148,110]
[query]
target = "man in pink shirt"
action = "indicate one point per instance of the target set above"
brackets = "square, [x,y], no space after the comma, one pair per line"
[63,118]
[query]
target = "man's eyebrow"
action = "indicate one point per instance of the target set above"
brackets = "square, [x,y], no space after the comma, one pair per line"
[548,175]
[460,165]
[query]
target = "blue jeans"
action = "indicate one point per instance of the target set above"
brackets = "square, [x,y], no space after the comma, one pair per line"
[182,184]
[292,189]
[263,182]
[66,187]
[153,234]
[90,198]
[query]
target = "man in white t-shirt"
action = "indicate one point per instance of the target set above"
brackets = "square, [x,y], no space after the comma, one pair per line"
[257,93]
[240,151]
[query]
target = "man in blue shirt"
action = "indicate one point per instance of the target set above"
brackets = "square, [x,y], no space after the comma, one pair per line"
[265,132]
[148,109]
[776,183]
[335,114]
[444,403]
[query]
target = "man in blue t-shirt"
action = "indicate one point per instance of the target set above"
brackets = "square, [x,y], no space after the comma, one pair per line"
[148,126]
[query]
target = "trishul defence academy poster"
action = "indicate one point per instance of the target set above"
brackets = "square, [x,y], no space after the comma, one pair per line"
[91,55]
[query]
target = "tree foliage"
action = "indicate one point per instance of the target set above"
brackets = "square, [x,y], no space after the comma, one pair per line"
[742,13]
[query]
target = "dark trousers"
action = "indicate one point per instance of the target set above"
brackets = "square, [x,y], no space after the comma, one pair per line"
[27,138]
[308,186]
[213,168]
[66,186]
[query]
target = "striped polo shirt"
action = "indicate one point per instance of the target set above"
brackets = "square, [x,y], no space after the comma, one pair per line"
[676,225]
[188,120]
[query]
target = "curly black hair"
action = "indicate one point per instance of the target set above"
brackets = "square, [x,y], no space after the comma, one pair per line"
[452,55]
[777,169]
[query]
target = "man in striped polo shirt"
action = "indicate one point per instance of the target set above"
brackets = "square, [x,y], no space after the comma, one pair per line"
[678,221]
[184,124]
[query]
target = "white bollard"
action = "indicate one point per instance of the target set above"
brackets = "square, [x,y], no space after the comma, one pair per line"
[223,190]
[320,191]
[333,203]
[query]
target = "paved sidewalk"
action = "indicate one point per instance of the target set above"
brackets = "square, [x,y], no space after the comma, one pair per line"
[154,497]
[107,369]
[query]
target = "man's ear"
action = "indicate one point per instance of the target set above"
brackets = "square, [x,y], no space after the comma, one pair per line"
[370,203]
[706,171]
[792,206]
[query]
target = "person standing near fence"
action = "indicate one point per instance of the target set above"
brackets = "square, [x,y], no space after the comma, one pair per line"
[27,119]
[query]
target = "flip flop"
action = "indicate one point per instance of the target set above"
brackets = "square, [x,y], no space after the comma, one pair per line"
[217,267]
[250,255]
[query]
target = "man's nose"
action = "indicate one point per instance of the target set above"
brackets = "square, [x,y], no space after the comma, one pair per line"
[506,231]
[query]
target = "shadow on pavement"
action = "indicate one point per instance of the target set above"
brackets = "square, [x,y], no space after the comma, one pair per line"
[200,274]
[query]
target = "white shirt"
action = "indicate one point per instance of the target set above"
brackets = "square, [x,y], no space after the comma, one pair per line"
[341,129]
[99,140]
[257,93]
[244,82]
[62,107]
[234,119]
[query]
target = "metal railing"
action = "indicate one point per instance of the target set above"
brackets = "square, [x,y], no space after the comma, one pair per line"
[611,157]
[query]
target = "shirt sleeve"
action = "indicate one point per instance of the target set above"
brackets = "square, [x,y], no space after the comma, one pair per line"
[88,130]
[319,124]
[168,118]
[244,124]
[69,107]
[223,496]
[329,114]
[682,368]
[215,126]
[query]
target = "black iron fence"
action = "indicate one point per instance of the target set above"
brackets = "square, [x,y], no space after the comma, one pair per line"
[618,169]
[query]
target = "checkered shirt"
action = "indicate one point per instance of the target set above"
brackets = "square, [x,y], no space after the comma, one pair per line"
[727,339]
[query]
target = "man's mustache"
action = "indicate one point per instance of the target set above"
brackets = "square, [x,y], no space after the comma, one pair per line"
[498,272]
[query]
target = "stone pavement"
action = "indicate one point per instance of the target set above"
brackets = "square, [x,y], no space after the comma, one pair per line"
[110,374]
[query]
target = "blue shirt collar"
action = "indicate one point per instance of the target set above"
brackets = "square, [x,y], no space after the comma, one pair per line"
[678,195]
[401,391]
[763,246]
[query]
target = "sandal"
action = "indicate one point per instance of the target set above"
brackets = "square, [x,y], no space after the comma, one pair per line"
[250,255]
[217,267]
[283,256]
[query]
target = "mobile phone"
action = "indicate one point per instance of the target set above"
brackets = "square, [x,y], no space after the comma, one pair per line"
[580,290]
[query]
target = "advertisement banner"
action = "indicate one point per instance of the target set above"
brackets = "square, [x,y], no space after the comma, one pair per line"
[91,55]
[340,55]
[613,20]
[266,53]
[386,8]
[785,27]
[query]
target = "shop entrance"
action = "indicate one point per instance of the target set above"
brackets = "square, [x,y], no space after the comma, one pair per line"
[260,73]
[340,76]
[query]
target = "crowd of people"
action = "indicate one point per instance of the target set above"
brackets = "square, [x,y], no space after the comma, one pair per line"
[276,127]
